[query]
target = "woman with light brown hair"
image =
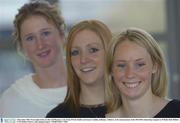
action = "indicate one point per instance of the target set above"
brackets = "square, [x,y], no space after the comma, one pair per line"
[136,77]
[39,35]
[86,50]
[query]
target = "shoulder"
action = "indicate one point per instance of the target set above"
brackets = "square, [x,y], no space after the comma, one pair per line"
[25,79]
[173,104]
[14,92]
[172,109]
[113,114]
[61,90]
[13,95]
[22,82]
[61,111]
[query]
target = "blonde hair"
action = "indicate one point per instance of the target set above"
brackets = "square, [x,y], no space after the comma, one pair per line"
[72,97]
[41,8]
[143,39]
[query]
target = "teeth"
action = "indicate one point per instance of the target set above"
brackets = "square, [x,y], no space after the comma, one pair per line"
[43,54]
[131,85]
[87,69]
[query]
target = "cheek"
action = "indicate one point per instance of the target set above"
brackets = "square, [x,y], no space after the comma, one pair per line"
[100,58]
[54,42]
[57,48]
[145,76]
[27,49]
[54,39]
[102,63]
[74,67]
[117,76]
[101,69]
[75,62]
[58,45]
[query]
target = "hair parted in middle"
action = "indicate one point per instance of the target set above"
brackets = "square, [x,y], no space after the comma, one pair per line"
[145,40]
[73,93]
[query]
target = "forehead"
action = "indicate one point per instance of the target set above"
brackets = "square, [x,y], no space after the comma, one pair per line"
[85,37]
[38,21]
[36,18]
[130,51]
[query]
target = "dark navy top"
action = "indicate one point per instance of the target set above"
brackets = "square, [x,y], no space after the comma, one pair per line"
[62,111]
[171,110]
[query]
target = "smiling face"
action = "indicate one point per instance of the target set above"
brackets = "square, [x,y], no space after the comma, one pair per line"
[88,57]
[132,70]
[41,41]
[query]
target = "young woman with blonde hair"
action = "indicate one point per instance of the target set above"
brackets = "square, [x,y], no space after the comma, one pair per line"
[136,77]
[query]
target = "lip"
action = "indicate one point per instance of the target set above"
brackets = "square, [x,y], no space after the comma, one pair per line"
[132,84]
[44,54]
[87,69]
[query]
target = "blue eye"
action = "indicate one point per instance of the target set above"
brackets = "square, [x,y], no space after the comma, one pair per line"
[139,65]
[45,33]
[30,38]
[74,53]
[93,50]
[121,65]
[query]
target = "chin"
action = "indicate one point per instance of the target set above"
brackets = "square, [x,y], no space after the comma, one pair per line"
[88,82]
[132,96]
[45,65]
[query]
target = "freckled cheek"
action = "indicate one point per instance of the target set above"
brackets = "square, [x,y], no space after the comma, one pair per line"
[118,79]
[117,76]
[102,62]
[28,49]
[57,49]
[54,42]
[101,68]
[145,76]
[75,62]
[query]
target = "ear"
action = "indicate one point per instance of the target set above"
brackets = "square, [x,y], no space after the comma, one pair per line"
[111,77]
[155,68]
[112,74]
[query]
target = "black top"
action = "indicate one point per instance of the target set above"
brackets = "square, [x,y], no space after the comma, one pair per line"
[171,110]
[62,111]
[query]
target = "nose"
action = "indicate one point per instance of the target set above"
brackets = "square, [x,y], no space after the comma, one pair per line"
[40,43]
[129,72]
[83,58]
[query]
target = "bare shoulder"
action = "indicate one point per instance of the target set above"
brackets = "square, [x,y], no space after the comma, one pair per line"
[161,103]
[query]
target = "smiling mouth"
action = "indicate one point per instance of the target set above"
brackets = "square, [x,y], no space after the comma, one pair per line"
[131,84]
[86,70]
[44,53]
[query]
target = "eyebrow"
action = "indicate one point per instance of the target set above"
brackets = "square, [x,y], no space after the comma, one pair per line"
[95,43]
[139,59]
[89,45]
[119,60]
[27,35]
[43,29]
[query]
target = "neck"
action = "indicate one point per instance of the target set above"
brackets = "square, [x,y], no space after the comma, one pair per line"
[141,107]
[92,94]
[54,76]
